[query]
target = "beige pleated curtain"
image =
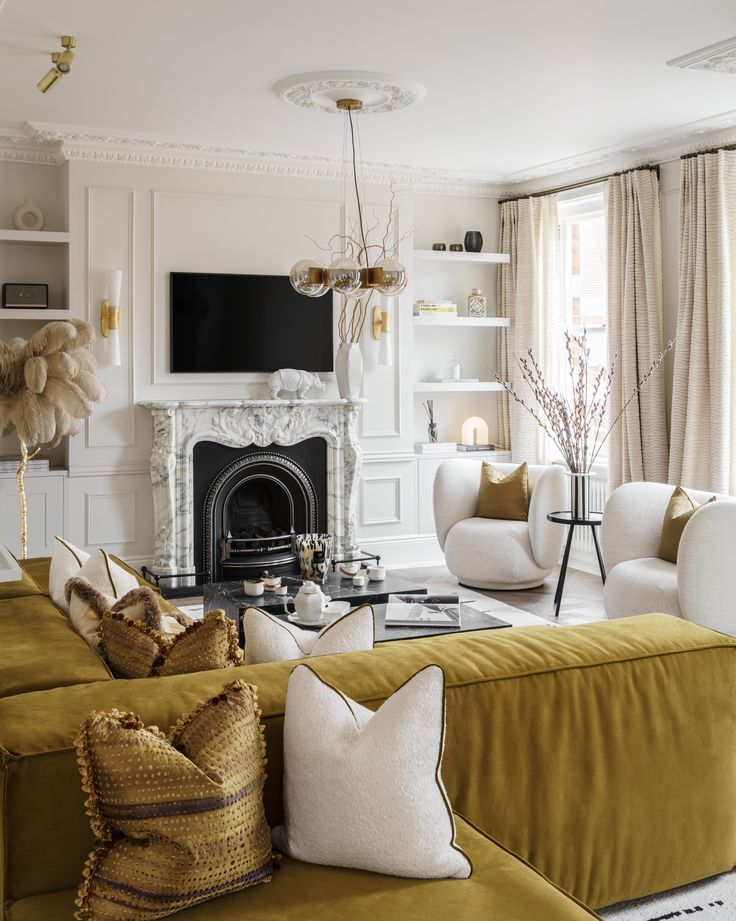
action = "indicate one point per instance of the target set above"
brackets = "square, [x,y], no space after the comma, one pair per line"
[525,293]
[638,443]
[703,435]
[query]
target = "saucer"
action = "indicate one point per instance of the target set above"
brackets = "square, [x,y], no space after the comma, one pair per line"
[295,619]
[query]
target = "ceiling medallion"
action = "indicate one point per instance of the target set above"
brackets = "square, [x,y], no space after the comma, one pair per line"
[321,90]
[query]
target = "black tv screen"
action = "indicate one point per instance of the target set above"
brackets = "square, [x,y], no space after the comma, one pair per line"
[222,323]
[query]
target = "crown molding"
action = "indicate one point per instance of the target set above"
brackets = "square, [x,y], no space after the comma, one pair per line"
[85,144]
[52,144]
[720,57]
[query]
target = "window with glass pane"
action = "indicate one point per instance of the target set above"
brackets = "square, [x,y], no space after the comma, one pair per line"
[583,300]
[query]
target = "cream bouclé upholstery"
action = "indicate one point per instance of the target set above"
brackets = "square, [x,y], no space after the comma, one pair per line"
[700,587]
[491,553]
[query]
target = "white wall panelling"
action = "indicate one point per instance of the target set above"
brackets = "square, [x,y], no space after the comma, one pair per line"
[113,511]
[45,498]
[110,518]
[110,228]
[380,500]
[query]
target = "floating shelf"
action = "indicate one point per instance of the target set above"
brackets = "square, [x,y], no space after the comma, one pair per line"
[431,255]
[29,313]
[49,237]
[460,387]
[462,321]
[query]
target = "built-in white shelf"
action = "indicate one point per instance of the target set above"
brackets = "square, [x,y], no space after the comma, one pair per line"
[49,237]
[462,321]
[52,471]
[432,255]
[459,387]
[35,314]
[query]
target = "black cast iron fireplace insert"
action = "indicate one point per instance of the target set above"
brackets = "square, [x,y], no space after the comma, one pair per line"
[250,502]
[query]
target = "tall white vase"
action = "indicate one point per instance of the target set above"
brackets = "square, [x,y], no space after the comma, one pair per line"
[349,370]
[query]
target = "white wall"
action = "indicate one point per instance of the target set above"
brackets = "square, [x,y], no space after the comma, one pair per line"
[150,221]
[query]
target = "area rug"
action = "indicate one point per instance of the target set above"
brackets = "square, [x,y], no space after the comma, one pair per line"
[712,899]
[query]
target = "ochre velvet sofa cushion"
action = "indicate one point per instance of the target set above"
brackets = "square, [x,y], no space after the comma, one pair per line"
[602,754]
[27,585]
[502,888]
[40,650]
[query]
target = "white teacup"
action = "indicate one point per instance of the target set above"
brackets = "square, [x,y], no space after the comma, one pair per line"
[359,580]
[334,610]
[253,587]
[376,573]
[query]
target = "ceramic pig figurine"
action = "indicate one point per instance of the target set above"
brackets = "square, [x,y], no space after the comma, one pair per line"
[293,381]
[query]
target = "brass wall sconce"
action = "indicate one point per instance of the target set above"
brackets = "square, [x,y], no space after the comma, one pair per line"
[62,64]
[381,328]
[110,317]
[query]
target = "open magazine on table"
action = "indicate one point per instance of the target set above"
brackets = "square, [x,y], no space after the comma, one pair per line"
[431,611]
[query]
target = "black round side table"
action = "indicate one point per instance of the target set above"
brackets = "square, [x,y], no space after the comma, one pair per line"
[593,521]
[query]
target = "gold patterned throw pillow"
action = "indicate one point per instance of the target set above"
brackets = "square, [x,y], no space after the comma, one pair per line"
[179,817]
[136,648]
[503,496]
[680,509]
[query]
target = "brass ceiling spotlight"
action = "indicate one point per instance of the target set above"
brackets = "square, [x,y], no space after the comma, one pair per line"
[62,61]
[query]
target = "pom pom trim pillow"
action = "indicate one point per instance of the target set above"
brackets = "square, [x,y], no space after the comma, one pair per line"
[96,586]
[179,817]
[137,648]
[363,789]
[270,639]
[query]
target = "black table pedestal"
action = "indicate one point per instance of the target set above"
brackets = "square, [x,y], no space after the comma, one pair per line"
[593,521]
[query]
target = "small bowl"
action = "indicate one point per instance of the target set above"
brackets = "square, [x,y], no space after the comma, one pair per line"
[456,247]
[253,587]
[439,247]
[271,582]
[376,573]
[349,569]
[334,610]
[359,580]
[281,589]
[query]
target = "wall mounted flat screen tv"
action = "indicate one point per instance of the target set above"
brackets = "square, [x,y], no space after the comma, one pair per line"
[238,323]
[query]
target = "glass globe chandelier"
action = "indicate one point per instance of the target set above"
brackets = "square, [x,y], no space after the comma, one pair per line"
[351,275]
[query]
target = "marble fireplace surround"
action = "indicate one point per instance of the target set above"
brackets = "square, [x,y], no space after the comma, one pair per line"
[179,424]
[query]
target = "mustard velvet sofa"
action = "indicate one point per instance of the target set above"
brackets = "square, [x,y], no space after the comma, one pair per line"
[587,765]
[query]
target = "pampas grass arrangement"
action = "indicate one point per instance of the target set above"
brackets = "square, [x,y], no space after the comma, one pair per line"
[48,385]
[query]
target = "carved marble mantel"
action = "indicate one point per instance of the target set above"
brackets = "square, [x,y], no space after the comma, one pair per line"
[179,424]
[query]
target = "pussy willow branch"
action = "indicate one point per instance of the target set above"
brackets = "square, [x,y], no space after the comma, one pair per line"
[570,425]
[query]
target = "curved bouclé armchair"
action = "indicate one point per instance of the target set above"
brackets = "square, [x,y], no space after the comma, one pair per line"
[700,587]
[493,553]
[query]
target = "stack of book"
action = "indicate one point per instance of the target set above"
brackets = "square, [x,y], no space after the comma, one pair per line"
[9,464]
[435,309]
[476,447]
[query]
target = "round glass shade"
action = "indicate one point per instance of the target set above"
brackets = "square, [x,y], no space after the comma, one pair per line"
[395,278]
[343,275]
[306,282]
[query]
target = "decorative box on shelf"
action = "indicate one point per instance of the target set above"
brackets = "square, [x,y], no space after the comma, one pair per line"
[435,447]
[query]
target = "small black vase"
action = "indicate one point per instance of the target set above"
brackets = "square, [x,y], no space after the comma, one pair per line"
[473,241]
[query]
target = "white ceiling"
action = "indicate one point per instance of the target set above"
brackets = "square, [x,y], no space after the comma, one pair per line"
[510,85]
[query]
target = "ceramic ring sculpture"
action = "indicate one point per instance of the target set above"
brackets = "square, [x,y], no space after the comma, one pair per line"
[26,210]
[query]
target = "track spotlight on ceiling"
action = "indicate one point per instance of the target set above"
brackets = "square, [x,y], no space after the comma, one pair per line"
[62,61]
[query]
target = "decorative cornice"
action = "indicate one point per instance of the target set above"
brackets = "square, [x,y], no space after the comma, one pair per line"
[51,144]
[720,57]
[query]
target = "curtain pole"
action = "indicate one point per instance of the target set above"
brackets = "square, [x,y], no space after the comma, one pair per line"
[579,185]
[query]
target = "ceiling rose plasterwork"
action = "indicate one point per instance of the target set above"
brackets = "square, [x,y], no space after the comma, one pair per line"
[378,92]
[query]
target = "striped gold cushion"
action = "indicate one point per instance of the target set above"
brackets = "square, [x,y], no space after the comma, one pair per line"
[179,817]
[133,649]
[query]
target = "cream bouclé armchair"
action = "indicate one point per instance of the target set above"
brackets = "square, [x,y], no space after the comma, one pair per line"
[700,587]
[492,553]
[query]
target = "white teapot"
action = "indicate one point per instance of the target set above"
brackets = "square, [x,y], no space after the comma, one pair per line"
[309,602]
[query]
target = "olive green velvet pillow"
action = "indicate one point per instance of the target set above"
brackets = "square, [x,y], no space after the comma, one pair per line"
[178,817]
[502,496]
[679,511]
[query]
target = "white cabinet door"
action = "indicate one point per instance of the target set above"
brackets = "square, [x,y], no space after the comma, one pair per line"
[45,500]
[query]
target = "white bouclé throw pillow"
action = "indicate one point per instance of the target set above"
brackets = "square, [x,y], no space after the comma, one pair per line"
[95,588]
[362,789]
[269,639]
[66,561]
